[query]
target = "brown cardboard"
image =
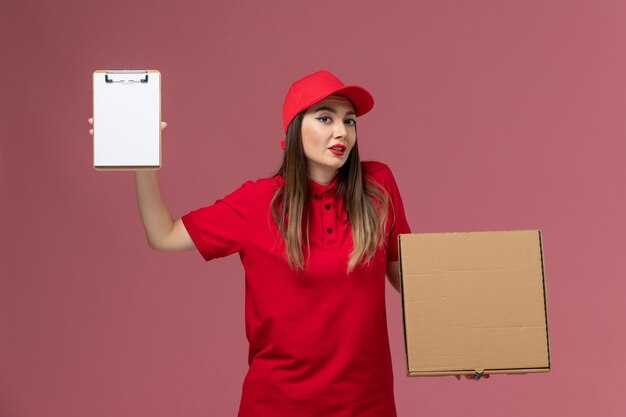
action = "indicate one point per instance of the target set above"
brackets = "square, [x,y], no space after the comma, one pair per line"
[474,302]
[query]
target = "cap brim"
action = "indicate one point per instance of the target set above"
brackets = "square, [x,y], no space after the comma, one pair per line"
[361,99]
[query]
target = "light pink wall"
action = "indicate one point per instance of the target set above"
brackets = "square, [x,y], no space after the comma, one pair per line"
[493,115]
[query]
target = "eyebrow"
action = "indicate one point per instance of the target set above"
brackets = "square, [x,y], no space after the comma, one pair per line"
[330,109]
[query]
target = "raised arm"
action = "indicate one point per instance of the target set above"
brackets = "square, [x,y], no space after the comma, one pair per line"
[163,233]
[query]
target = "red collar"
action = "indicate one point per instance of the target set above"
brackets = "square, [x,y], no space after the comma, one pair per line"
[317,190]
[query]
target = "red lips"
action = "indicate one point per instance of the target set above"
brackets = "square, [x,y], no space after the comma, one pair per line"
[340,147]
[338,150]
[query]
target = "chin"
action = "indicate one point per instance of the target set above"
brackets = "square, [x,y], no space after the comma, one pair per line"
[337,164]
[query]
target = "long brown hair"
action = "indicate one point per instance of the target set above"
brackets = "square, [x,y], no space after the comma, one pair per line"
[365,202]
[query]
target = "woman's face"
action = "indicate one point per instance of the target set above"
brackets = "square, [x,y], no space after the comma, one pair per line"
[328,124]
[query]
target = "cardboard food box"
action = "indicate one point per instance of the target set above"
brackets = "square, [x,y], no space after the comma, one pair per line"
[474,302]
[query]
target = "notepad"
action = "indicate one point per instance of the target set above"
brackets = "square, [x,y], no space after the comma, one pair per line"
[127,119]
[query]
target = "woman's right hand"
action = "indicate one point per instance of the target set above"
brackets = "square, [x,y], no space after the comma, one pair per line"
[90,120]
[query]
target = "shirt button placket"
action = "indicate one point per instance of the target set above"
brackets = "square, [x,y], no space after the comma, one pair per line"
[329,217]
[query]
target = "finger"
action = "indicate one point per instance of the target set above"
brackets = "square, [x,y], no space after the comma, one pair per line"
[163,125]
[91,131]
[90,120]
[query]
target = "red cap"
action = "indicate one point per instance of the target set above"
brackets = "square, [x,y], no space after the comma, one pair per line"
[315,87]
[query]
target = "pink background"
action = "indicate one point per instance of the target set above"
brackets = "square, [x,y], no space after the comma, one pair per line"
[493,115]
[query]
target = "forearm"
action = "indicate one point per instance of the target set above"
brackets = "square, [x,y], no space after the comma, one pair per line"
[393,275]
[155,216]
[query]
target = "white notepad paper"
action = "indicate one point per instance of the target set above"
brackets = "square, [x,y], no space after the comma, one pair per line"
[127,119]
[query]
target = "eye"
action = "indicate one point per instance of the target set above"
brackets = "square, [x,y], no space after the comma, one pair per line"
[351,122]
[324,119]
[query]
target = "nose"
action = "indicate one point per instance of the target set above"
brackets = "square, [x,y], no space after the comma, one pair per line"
[340,129]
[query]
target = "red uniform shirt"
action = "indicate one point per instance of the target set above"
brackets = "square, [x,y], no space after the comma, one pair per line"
[318,339]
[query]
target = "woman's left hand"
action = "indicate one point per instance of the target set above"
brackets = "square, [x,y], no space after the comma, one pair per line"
[475,377]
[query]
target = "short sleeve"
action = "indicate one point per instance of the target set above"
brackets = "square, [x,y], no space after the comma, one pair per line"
[220,229]
[398,217]
[399,223]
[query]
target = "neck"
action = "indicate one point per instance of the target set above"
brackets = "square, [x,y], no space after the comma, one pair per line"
[324,177]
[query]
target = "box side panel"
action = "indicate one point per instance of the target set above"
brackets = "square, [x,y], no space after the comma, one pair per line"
[520,371]
[402,297]
[545,297]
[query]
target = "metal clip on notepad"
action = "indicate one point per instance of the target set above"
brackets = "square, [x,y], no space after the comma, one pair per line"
[129,76]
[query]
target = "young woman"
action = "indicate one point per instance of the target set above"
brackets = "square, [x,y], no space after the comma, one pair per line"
[316,241]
